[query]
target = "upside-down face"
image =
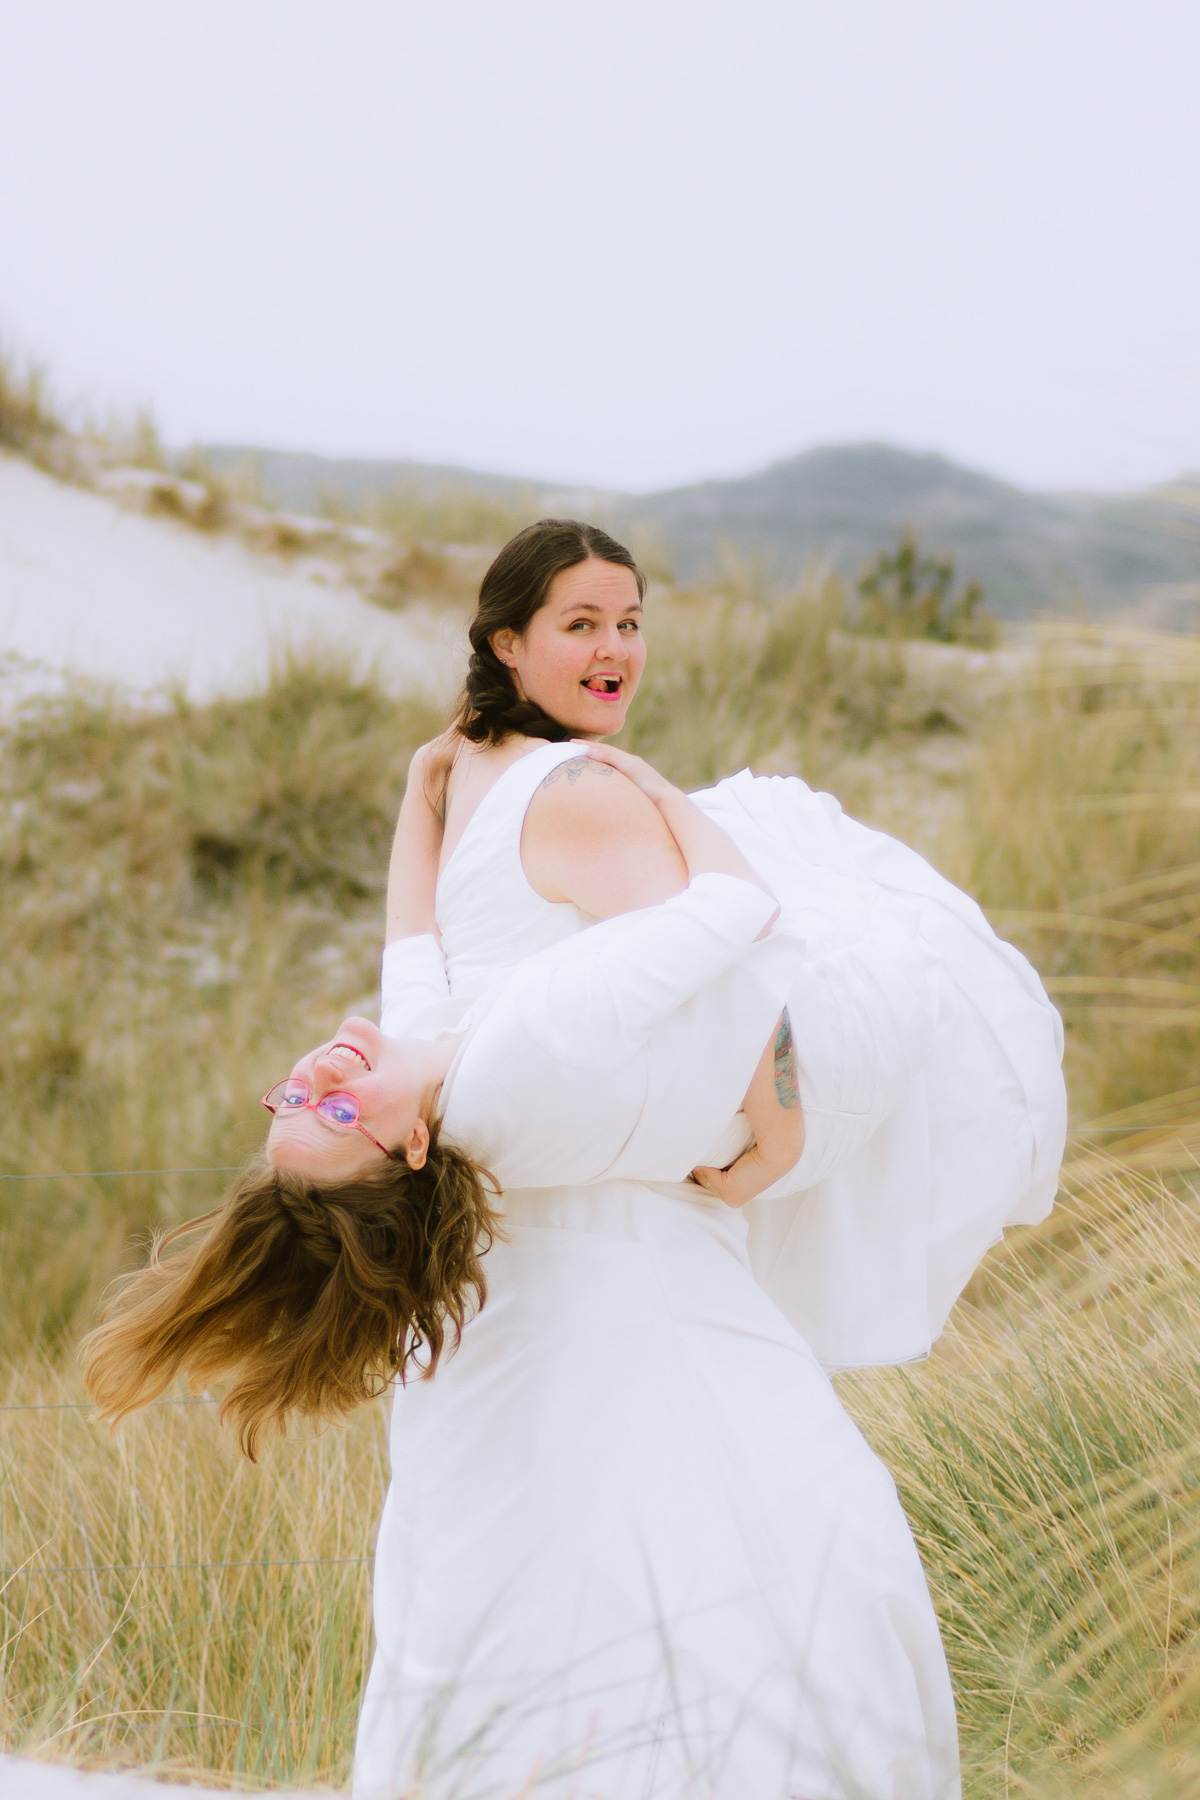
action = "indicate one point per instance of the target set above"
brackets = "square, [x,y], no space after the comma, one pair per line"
[581,656]
[359,1062]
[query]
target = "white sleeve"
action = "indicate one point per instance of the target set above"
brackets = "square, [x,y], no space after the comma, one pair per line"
[603,994]
[414,989]
[863,1018]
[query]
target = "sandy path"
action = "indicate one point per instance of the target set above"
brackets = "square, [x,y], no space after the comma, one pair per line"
[90,588]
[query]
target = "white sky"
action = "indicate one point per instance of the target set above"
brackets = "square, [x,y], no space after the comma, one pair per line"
[633,242]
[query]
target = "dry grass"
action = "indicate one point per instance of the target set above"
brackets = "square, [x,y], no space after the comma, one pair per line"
[187,895]
[1047,1459]
[184,897]
[166,1604]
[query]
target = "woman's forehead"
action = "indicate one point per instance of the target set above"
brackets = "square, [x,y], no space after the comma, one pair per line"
[595,586]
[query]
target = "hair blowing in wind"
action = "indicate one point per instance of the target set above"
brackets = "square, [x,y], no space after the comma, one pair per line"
[308,1299]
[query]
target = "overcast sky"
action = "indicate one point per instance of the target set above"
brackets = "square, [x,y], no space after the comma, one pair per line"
[633,243]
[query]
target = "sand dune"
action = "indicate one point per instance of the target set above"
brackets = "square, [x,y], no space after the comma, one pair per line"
[90,588]
[46,1781]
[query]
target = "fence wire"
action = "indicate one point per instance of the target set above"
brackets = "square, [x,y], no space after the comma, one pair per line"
[86,1405]
[236,1169]
[284,1562]
[111,1174]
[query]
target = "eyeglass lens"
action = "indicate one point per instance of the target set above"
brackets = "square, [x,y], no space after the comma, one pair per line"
[343,1109]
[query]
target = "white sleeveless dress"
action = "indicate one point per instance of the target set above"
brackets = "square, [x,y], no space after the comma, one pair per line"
[929,1056]
[634,1548]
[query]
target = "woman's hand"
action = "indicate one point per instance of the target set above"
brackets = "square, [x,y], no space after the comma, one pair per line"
[755,1170]
[656,787]
[740,1182]
[706,849]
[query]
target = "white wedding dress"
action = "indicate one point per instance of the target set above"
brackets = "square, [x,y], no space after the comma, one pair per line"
[633,1548]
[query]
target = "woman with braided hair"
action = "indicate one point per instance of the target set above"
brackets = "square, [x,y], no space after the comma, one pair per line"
[633,1546]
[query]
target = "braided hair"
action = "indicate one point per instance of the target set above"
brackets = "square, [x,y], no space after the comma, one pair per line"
[308,1297]
[513,590]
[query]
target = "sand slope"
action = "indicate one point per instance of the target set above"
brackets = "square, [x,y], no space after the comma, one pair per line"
[90,588]
[49,1781]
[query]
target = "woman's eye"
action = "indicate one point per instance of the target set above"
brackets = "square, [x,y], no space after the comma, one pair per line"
[342,1113]
[293,1100]
[630,625]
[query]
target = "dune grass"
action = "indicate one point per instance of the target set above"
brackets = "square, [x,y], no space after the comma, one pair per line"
[188,895]
[1047,1459]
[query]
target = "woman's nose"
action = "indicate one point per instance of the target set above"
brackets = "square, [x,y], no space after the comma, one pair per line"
[613,646]
[326,1076]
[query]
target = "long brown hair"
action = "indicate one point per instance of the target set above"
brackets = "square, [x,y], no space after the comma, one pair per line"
[514,588]
[309,1298]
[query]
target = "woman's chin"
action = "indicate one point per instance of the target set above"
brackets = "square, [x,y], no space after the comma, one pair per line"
[596,718]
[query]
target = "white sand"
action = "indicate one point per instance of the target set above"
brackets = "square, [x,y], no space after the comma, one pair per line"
[89,588]
[46,1781]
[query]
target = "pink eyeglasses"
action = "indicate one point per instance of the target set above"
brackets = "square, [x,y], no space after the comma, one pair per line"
[340,1109]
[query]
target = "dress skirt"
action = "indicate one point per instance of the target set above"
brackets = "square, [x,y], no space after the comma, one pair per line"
[633,1546]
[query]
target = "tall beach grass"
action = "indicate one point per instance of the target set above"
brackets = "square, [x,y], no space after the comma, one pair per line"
[188,895]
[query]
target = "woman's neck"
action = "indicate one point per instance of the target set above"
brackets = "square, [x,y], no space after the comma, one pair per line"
[431,1059]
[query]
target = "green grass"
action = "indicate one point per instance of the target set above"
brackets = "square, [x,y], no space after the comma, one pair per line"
[189,895]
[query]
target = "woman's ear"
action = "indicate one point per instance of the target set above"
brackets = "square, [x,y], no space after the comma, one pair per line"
[502,642]
[417,1148]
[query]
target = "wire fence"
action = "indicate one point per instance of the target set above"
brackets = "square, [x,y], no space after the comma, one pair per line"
[265,1562]
[113,1174]
[32,1569]
[86,1405]
[236,1168]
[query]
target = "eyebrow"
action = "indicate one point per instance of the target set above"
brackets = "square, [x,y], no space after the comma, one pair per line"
[590,606]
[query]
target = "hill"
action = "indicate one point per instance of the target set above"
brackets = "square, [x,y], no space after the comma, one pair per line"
[1034,553]
[1131,555]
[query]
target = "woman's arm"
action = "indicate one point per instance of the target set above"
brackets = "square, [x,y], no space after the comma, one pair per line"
[591,839]
[706,849]
[772,1107]
[416,847]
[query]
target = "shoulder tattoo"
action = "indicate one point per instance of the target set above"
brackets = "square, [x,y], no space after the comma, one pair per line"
[787,1087]
[575,766]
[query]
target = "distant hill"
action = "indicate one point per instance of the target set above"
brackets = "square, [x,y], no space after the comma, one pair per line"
[1122,555]
[1137,553]
[304,482]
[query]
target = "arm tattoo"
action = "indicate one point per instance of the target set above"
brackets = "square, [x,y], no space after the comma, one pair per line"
[787,1087]
[574,767]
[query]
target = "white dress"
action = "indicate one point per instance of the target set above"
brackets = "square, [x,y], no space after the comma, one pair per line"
[929,1056]
[633,1545]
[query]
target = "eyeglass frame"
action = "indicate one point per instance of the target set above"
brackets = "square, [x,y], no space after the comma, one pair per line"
[311,1105]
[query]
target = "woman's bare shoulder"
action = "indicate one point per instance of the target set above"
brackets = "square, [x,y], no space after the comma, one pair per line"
[591,837]
[438,755]
[580,791]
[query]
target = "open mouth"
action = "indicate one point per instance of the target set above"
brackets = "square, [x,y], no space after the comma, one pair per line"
[605,687]
[349,1050]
